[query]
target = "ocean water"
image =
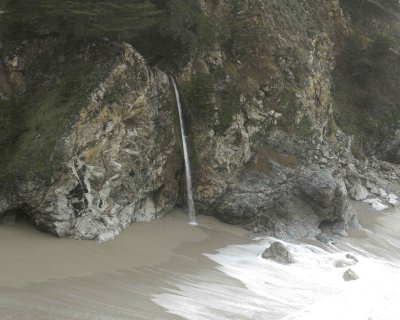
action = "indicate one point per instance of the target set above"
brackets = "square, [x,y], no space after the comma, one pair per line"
[311,288]
[170,270]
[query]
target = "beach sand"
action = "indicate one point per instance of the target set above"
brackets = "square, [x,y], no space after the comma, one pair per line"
[43,277]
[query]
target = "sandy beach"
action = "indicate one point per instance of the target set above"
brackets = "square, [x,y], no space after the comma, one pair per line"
[168,269]
[29,255]
[43,277]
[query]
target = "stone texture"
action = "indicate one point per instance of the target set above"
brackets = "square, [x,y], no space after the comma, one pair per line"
[323,237]
[119,160]
[358,192]
[350,275]
[278,252]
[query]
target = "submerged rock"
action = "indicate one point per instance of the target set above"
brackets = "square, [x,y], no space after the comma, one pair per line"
[107,236]
[278,252]
[352,257]
[376,204]
[350,260]
[343,263]
[350,275]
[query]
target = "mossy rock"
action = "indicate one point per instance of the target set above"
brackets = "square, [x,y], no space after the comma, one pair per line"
[46,113]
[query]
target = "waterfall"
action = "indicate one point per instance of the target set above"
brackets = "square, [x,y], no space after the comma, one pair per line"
[189,190]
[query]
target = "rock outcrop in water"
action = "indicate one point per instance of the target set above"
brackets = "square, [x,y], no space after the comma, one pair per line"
[276,130]
[278,252]
[350,275]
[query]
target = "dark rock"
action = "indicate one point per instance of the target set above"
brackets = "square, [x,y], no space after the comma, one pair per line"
[351,257]
[8,218]
[350,275]
[326,194]
[319,185]
[339,228]
[323,238]
[278,252]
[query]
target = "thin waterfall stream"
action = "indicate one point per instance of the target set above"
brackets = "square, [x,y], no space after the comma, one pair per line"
[189,190]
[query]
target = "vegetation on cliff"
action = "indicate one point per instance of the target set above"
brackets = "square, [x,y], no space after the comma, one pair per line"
[69,45]
[367,75]
[31,123]
[158,29]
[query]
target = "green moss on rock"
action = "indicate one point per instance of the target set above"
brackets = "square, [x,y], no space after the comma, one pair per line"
[46,113]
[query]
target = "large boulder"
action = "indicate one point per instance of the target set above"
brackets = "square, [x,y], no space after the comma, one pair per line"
[327,195]
[287,202]
[117,161]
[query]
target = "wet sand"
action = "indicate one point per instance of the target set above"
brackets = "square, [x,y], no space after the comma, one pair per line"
[170,270]
[28,255]
[42,277]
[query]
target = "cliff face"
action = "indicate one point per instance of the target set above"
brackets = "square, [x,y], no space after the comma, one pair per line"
[274,142]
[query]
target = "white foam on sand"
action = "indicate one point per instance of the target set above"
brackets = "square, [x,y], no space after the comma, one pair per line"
[311,288]
[376,204]
[392,199]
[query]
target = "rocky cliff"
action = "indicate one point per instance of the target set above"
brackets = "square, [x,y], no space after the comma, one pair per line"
[284,119]
[114,162]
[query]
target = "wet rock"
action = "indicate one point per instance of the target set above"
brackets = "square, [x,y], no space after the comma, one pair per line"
[339,228]
[350,260]
[350,275]
[358,192]
[343,263]
[351,257]
[323,237]
[383,192]
[392,199]
[377,204]
[278,252]
[375,190]
[369,185]
[107,236]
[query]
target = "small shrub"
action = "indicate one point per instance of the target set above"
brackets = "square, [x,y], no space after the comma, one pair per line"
[199,95]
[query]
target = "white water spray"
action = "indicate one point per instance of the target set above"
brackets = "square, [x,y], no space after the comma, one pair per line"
[189,190]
